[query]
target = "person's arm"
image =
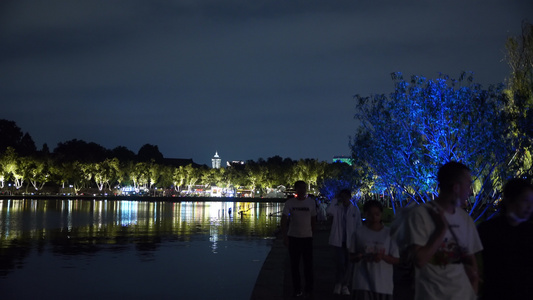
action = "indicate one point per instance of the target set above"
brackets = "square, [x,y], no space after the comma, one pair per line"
[470,264]
[284,229]
[330,210]
[423,254]
[391,259]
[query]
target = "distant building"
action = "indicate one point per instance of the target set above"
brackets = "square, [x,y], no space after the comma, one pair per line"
[343,159]
[215,161]
[235,163]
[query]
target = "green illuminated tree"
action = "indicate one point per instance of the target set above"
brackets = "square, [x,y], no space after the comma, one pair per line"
[140,175]
[266,178]
[14,167]
[235,176]
[214,177]
[278,170]
[219,177]
[520,60]
[192,176]
[178,178]
[207,178]
[166,179]
[253,175]
[7,165]
[105,173]
[520,92]
[74,173]
[39,173]
[154,174]
[308,170]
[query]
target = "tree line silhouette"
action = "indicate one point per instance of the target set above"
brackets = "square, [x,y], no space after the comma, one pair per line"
[81,167]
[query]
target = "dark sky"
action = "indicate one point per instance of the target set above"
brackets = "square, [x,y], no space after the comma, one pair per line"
[248,79]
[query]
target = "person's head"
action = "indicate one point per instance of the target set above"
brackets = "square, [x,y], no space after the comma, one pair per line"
[455,182]
[373,210]
[344,196]
[301,189]
[517,200]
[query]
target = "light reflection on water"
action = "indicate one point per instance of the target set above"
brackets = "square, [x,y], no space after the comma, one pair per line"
[134,249]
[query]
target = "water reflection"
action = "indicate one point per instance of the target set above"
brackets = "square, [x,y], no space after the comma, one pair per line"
[34,218]
[74,227]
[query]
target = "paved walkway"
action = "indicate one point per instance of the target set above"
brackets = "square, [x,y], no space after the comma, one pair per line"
[274,280]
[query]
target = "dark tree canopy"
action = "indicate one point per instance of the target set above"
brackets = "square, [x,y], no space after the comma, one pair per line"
[12,136]
[27,146]
[45,150]
[78,150]
[123,154]
[149,152]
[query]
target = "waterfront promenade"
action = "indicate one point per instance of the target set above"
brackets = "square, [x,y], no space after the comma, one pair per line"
[274,280]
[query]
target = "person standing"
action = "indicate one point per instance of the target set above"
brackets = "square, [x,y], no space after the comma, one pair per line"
[375,252]
[298,223]
[346,219]
[508,245]
[443,240]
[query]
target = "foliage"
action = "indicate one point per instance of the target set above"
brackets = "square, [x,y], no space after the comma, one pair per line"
[78,150]
[105,172]
[75,166]
[520,92]
[520,60]
[12,136]
[339,176]
[148,153]
[404,137]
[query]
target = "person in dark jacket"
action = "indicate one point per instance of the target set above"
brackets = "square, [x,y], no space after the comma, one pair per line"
[508,245]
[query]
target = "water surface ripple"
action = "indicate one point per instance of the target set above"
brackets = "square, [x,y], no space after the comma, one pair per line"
[107,249]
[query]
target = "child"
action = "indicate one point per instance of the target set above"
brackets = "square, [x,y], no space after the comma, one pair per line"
[374,252]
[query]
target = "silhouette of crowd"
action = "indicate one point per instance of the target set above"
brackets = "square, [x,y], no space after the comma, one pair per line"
[433,250]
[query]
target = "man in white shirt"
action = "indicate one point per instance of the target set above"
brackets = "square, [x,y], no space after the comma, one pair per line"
[444,240]
[298,223]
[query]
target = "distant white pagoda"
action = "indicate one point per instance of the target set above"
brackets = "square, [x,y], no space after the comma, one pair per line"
[215,161]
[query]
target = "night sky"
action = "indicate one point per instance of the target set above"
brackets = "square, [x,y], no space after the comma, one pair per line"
[248,79]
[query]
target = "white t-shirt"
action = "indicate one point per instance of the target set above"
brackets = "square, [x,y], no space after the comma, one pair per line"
[300,213]
[345,222]
[443,277]
[373,276]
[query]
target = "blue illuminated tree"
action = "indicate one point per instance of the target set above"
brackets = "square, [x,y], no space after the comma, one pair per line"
[406,136]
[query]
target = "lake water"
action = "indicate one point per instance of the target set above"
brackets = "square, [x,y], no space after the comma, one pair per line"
[102,249]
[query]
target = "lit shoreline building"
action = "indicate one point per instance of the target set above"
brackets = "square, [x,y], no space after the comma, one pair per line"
[343,159]
[215,161]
